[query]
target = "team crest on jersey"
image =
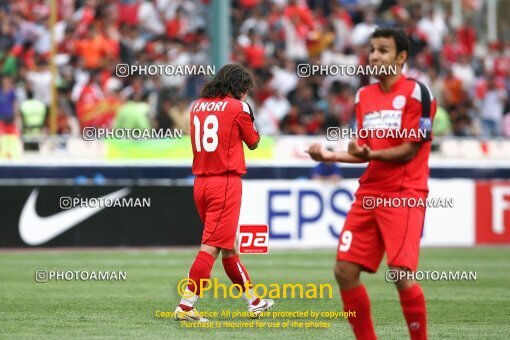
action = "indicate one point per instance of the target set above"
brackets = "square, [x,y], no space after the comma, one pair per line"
[399,102]
[383,119]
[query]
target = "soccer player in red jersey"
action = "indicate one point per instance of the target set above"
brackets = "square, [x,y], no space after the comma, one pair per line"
[397,168]
[220,122]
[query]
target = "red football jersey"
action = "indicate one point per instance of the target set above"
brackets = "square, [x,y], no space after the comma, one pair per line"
[409,108]
[218,128]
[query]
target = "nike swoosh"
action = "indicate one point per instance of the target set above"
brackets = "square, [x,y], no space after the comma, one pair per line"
[36,230]
[261,307]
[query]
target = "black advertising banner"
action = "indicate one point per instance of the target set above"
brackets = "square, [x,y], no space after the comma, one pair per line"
[95,216]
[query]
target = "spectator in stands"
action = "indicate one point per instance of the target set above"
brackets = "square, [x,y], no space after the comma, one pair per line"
[491,108]
[269,115]
[131,43]
[451,51]
[433,26]
[342,22]
[461,121]
[361,32]
[442,125]
[254,54]
[150,20]
[464,71]
[506,124]
[304,99]
[316,124]
[497,62]
[33,115]
[179,113]
[466,35]
[88,109]
[93,48]
[453,93]
[134,114]
[296,23]
[8,107]
[271,38]
[256,23]
[436,82]
[178,26]
[6,33]
[320,40]
[10,143]
[85,16]
[292,123]
[417,39]
[177,55]
[343,104]
[163,119]
[40,81]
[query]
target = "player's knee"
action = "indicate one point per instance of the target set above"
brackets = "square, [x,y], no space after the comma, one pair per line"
[213,251]
[229,252]
[346,272]
[402,282]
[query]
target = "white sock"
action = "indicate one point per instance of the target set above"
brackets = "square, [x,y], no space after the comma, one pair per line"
[249,296]
[188,298]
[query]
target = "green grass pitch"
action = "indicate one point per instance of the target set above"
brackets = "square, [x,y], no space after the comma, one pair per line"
[126,309]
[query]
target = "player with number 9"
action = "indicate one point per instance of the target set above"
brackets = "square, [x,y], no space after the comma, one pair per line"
[220,121]
[398,168]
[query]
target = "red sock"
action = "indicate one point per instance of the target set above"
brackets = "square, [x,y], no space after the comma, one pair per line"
[237,273]
[356,302]
[415,311]
[200,270]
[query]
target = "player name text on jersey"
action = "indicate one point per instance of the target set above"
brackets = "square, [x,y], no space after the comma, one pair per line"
[209,106]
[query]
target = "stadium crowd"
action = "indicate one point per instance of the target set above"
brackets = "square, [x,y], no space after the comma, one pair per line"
[471,80]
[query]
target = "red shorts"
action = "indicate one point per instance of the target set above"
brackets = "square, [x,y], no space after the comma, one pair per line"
[218,201]
[368,233]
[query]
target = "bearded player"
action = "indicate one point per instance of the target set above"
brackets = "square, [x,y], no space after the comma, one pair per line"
[397,168]
[220,122]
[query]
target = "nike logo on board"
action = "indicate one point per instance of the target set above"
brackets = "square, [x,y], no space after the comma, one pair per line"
[35,230]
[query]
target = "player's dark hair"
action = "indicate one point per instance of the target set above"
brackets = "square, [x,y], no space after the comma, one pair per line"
[233,79]
[398,35]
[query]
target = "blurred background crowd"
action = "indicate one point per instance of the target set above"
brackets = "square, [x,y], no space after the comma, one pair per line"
[469,75]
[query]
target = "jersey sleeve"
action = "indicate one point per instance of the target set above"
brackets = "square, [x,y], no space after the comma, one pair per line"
[419,114]
[245,120]
[359,118]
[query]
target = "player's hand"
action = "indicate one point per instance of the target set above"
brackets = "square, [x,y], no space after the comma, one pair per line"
[360,151]
[318,153]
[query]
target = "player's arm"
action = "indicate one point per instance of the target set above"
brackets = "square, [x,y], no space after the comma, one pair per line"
[254,146]
[401,153]
[245,119]
[318,153]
